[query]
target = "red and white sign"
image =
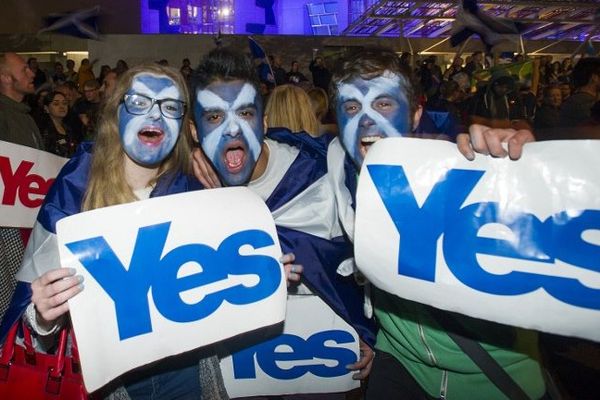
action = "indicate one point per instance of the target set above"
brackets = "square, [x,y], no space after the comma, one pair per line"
[26,175]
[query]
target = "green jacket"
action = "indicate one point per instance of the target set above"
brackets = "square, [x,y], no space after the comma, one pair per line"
[17,126]
[409,332]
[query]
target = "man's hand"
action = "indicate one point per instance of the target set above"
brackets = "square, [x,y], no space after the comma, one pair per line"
[204,171]
[485,140]
[364,363]
[293,271]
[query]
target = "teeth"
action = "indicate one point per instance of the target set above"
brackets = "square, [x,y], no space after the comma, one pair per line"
[370,139]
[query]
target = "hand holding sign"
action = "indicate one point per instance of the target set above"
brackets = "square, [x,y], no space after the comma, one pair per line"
[50,293]
[512,242]
[169,275]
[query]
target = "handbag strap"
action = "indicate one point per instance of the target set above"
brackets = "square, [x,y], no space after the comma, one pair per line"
[490,367]
[8,348]
[61,352]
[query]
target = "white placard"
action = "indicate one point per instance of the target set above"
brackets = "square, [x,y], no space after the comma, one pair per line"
[517,242]
[309,357]
[168,275]
[26,175]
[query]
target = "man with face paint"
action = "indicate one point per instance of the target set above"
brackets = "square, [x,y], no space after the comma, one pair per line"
[289,171]
[229,116]
[415,357]
[142,150]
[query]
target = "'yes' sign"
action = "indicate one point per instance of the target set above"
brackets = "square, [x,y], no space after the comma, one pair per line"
[310,356]
[512,242]
[26,175]
[168,275]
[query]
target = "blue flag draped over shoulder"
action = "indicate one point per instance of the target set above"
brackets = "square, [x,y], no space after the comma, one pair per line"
[319,255]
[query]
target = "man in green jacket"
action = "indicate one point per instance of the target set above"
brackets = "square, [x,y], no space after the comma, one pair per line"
[415,357]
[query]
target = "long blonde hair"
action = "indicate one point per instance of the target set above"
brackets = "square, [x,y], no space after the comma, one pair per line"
[289,107]
[106,183]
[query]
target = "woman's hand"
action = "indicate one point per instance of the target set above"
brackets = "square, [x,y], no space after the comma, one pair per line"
[51,291]
[292,271]
[364,363]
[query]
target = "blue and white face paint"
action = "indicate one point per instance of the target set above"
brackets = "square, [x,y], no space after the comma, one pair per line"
[368,110]
[229,119]
[149,138]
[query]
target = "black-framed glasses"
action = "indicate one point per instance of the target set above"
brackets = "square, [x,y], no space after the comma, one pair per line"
[138,104]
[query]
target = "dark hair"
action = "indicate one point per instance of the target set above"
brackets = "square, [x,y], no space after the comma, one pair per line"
[549,88]
[50,97]
[223,64]
[448,88]
[583,71]
[371,63]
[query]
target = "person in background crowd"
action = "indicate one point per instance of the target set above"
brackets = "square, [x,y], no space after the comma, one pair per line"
[565,90]
[498,105]
[289,107]
[186,63]
[567,70]
[39,76]
[109,83]
[70,73]
[547,116]
[69,89]
[16,126]
[554,74]
[87,108]
[575,110]
[475,64]
[186,71]
[443,110]
[294,76]
[278,71]
[104,69]
[58,76]
[121,67]
[85,72]
[58,136]
[319,101]
[455,68]
[405,59]
[320,74]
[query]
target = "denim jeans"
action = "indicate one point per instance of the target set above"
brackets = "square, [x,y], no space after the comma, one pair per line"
[178,384]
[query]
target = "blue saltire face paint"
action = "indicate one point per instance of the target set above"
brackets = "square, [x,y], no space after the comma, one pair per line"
[149,137]
[368,110]
[229,119]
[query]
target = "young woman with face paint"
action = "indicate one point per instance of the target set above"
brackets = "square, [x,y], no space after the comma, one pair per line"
[415,358]
[142,150]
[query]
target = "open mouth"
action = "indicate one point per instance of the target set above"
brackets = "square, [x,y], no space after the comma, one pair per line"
[151,136]
[234,156]
[366,142]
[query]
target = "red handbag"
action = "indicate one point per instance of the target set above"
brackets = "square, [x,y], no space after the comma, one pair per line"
[27,374]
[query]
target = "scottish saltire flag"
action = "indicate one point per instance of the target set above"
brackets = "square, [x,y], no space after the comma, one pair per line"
[255,49]
[79,23]
[300,197]
[297,189]
[470,19]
